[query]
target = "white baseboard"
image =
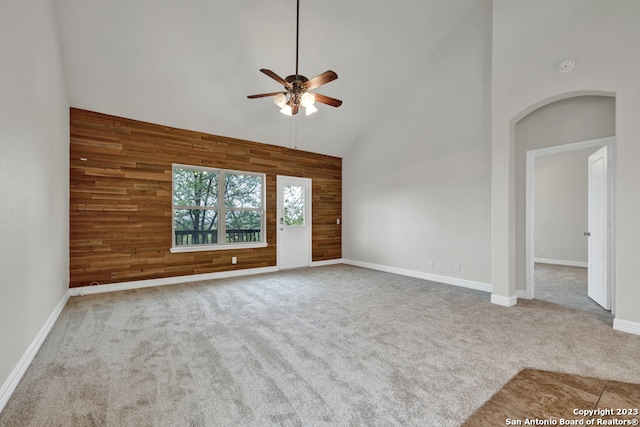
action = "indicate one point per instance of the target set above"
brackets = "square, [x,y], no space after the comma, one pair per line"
[561,262]
[327,262]
[470,284]
[18,372]
[626,326]
[139,284]
[504,301]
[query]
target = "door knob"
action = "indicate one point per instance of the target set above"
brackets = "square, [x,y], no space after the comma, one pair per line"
[586,233]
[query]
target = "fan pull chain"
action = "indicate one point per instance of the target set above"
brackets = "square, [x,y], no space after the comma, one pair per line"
[293,133]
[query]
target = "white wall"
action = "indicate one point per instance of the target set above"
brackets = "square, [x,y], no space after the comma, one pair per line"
[561,207]
[34,172]
[569,120]
[530,39]
[417,184]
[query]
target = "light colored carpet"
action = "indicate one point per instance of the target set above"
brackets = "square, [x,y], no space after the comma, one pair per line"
[335,345]
[567,286]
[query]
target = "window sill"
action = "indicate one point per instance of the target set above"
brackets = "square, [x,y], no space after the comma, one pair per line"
[201,248]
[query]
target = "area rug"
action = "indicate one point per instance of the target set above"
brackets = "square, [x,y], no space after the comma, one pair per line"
[535,397]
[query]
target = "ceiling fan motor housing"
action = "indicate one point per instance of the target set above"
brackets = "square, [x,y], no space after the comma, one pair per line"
[297,88]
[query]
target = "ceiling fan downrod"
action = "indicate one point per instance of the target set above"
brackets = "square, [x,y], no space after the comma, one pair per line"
[297,33]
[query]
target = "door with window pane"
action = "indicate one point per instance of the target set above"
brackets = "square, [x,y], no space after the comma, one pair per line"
[294,222]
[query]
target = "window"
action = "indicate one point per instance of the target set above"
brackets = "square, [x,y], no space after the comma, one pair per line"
[217,209]
[293,205]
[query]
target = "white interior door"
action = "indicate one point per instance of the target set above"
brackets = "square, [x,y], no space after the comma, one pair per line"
[598,252]
[294,222]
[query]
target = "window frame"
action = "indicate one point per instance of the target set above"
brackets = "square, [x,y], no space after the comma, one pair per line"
[222,212]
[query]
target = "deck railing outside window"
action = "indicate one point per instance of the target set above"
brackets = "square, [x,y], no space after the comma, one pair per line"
[207,237]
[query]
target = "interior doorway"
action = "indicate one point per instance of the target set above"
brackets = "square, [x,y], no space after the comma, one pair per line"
[534,253]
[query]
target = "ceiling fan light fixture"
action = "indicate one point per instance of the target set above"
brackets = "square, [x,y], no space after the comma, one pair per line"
[307,100]
[280,100]
[287,110]
[310,109]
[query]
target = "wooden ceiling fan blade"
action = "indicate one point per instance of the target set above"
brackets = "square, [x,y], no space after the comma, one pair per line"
[262,95]
[295,109]
[327,100]
[275,77]
[322,79]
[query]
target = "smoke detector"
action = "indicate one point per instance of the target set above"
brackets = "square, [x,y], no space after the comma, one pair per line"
[567,65]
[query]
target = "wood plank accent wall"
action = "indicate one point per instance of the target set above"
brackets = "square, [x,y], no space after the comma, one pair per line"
[120,198]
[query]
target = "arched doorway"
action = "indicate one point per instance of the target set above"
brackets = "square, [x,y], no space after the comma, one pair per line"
[571,123]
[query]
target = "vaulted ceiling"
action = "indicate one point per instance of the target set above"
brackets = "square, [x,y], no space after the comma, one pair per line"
[191,63]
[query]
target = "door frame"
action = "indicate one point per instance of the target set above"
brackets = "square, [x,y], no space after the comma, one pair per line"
[308,217]
[531,156]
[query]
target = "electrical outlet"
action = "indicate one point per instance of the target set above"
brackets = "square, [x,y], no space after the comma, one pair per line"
[234,260]
[458,266]
[430,262]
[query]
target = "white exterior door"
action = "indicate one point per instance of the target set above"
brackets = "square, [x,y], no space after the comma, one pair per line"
[294,222]
[598,252]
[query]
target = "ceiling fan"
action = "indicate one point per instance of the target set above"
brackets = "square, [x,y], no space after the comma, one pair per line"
[298,89]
